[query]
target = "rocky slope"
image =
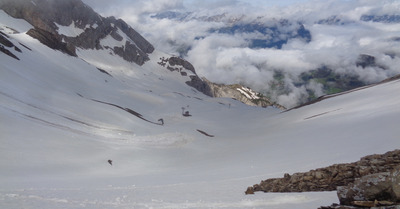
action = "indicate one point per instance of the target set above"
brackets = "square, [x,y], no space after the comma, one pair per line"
[329,178]
[241,93]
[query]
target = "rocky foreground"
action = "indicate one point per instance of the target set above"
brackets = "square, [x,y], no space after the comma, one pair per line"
[329,178]
[371,182]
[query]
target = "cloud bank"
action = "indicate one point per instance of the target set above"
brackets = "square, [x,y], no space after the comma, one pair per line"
[338,38]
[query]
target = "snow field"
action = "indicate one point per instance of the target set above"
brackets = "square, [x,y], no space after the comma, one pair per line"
[60,124]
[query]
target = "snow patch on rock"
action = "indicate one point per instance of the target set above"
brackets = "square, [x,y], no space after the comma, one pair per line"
[69,31]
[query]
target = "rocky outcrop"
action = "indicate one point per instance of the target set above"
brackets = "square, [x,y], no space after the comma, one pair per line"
[329,178]
[372,189]
[378,205]
[52,41]
[47,17]
[177,61]
[6,45]
[177,64]
[200,85]
[185,68]
[241,93]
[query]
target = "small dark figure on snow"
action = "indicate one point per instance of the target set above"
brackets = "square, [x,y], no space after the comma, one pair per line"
[110,162]
[186,114]
[161,121]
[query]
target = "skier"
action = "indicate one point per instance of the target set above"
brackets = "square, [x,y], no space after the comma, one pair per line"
[110,162]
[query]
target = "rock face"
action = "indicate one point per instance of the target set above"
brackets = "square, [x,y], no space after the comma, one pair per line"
[6,45]
[48,16]
[185,68]
[375,187]
[241,93]
[329,178]
[52,41]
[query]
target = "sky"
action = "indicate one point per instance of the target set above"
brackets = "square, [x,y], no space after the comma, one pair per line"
[227,59]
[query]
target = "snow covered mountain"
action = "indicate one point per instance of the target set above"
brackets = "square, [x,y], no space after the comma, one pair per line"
[66,25]
[63,117]
[75,29]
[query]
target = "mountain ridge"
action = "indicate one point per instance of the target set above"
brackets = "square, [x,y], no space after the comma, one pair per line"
[49,15]
[70,26]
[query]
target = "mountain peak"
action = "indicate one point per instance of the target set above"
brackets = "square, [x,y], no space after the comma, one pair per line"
[67,25]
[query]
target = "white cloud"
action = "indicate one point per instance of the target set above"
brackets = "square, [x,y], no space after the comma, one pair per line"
[226,58]
[133,10]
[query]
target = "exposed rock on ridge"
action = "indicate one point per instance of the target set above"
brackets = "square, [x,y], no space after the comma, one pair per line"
[52,41]
[46,16]
[6,45]
[185,68]
[329,178]
[241,93]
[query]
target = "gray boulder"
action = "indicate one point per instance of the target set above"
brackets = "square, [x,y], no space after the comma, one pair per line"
[375,187]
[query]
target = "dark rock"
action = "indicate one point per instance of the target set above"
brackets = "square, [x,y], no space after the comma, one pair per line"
[8,52]
[181,62]
[52,41]
[395,175]
[127,52]
[17,49]
[4,40]
[250,190]
[200,85]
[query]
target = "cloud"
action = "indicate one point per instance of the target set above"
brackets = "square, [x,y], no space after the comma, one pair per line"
[227,58]
[121,8]
[207,4]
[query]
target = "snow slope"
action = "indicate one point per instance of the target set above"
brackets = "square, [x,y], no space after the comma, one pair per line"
[62,119]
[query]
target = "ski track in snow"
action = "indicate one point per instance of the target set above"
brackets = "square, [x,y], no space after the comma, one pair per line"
[59,125]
